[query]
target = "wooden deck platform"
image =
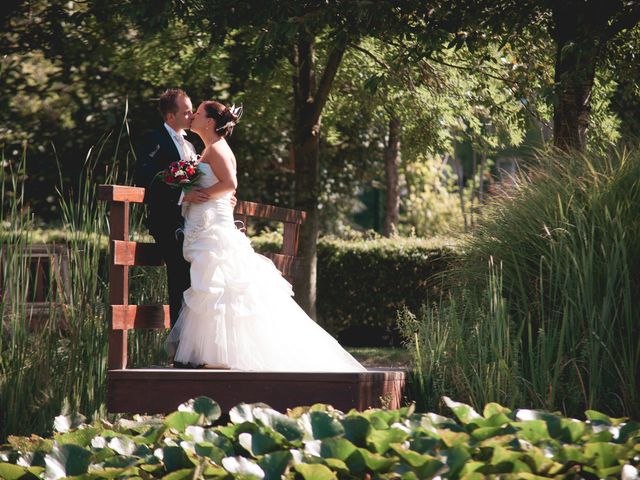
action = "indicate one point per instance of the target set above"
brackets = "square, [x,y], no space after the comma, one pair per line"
[161,390]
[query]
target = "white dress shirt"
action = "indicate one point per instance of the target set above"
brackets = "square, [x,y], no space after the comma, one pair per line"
[185,148]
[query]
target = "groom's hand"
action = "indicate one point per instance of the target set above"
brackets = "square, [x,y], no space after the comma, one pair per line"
[196,196]
[233,200]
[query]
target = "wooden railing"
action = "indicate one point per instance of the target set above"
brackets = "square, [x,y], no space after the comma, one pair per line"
[125,253]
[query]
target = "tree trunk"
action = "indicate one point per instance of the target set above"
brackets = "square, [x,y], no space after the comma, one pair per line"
[574,79]
[392,163]
[461,184]
[576,30]
[309,100]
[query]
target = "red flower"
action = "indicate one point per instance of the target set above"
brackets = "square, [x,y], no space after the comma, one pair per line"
[191,171]
[169,179]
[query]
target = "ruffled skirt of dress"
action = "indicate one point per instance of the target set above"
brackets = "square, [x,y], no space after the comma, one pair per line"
[239,311]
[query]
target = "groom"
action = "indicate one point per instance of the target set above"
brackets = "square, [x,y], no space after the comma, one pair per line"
[155,152]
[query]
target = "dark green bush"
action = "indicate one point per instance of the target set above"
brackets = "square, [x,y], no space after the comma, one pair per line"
[322,443]
[362,284]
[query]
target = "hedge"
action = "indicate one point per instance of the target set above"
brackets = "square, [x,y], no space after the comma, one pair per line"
[363,284]
[319,442]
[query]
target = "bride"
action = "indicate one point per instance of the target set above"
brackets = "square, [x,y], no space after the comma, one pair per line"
[239,312]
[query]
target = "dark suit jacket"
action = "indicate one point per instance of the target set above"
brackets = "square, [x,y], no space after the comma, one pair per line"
[155,152]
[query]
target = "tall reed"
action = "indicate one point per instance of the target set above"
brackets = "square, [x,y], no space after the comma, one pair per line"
[551,273]
[63,361]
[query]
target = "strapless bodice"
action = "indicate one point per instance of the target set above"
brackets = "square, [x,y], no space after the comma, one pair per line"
[217,210]
[208,178]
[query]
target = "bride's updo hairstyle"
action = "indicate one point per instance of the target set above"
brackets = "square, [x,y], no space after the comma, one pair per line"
[224,117]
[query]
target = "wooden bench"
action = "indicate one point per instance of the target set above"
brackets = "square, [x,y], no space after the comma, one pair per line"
[157,390]
[46,285]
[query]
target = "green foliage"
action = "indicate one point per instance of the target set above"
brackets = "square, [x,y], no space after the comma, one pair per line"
[543,308]
[319,442]
[432,205]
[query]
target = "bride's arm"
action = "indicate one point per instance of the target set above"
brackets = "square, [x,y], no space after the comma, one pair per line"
[224,172]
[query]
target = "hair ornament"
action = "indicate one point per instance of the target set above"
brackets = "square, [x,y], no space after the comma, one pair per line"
[236,112]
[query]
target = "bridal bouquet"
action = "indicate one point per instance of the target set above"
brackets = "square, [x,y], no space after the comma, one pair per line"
[181,174]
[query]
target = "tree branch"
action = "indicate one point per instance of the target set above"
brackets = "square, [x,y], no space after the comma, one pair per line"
[371,55]
[329,73]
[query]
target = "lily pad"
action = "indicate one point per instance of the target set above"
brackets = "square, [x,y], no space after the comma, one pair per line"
[462,411]
[275,464]
[242,467]
[356,428]
[284,425]
[376,462]
[67,460]
[315,472]
[382,439]
[181,420]
[339,448]
[9,471]
[259,443]
[65,423]
[174,458]
[324,425]
[204,406]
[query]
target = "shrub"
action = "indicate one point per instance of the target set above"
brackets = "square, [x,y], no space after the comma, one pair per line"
[544,310]
[362,284]
[319,442]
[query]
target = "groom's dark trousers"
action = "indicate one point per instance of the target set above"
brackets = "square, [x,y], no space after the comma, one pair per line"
[154,153]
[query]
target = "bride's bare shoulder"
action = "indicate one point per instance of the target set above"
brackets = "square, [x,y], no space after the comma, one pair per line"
[222,152]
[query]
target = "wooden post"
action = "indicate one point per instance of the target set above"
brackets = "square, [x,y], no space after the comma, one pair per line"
[118,282]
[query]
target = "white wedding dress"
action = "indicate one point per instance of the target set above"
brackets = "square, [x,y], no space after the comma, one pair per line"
[239,311]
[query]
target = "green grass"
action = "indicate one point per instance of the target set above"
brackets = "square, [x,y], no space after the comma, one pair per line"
[382,357]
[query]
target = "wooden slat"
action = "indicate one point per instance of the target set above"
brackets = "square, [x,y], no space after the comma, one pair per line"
[288,265]
[259,210]
[162,390]
[136,253]
[121,193]
[128,317]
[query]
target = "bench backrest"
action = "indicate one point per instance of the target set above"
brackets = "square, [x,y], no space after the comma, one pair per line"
[124,254]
